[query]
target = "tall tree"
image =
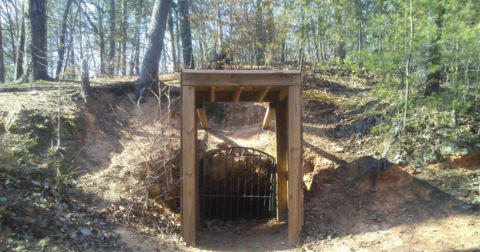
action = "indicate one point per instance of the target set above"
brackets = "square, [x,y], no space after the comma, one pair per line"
[154,46]
[135,61]
[435,70]
[111,52]
[172,40]
[2,62]
[186,35]
[123,29]
[36,42]
[20,49]
[63,34]
[259,34]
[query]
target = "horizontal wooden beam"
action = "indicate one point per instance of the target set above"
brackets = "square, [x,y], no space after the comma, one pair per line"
[237,78]
[264,72]
[268,116]
[203,117]
[263,94]
[227,97]
[238,92]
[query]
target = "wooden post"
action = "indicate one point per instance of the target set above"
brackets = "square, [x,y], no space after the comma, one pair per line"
[189,164]
[268,115]
[263,94]
[238,92]
[203,116]
[281,137]
[295,173]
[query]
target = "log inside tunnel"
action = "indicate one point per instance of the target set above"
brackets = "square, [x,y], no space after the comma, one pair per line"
[236,184]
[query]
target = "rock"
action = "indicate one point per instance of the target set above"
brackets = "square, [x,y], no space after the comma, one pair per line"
[258,245]
[466,207]
[85,231]
[3,200]
[400,159]
[339,150]
[452,149]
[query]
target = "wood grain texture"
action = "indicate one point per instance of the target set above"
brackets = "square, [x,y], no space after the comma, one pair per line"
[189,163]
[238,93]
[203,117]
[281,137]
[295,173]
[228,78]
[263,93]
[268,116]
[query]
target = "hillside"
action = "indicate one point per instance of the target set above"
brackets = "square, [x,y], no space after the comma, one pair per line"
[107,179]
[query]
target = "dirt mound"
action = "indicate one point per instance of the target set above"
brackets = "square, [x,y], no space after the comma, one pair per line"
[122,189]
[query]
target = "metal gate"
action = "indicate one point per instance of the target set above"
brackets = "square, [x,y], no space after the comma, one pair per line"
[237,183]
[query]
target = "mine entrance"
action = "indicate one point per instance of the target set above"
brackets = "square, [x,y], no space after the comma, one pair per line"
[237,183]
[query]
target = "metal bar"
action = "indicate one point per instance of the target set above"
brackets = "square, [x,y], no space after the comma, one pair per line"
[248,188]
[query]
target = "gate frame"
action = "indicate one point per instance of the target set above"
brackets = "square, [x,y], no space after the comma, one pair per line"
[204,158]
[283,91]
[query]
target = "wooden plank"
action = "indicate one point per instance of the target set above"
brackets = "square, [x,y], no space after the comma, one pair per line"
[203,117]
[264,72]
[295,173]
[283,94]
[237,79]
[189,160]
[227,97]
[212,94]
[238,92]
[197,176]
[281,138]
[268,116]
[263,93]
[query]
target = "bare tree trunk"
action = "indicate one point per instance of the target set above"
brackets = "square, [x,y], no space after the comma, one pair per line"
[36,41]
[259,34]
[270,32]
[135,62]
[179,37]
[154,47]
[2,62]
[13,33]
[172,40]
[186,35]
[434,78]
[61,48]
[20,49]
[219,44]
[111,52]
[124,37]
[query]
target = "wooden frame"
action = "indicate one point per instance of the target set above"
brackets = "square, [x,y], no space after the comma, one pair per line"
[283,91]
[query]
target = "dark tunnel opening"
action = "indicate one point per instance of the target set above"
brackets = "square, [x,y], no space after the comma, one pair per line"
[236,184]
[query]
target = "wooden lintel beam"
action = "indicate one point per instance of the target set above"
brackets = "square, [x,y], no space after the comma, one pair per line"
[238,92]
[228,96]
[263,94]
[241,79]
[212,94]
[203,117]
[268,116]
